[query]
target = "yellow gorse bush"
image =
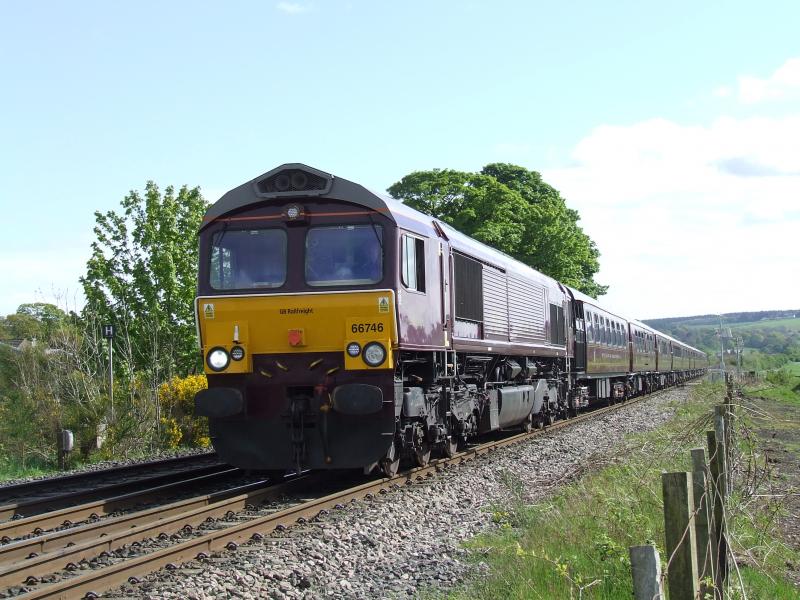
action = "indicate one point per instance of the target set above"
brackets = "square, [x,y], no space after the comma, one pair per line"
[180,426]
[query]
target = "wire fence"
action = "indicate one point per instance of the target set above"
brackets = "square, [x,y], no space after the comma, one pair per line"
[701,506]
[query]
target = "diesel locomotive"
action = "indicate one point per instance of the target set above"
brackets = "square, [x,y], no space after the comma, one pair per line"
[342,329]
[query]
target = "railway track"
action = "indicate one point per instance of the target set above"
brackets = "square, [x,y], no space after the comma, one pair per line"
[45,565]
[75,482]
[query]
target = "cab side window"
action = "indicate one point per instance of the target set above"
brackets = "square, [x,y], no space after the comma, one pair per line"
[412,270]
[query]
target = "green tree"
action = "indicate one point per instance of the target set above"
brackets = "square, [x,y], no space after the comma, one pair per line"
[142,278]
[37,320]
[513,210]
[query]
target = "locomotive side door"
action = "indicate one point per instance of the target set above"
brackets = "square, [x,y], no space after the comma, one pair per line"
[445,279]
[444,274]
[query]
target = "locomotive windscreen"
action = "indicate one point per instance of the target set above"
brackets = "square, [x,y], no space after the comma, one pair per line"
[248,259]
[344,255]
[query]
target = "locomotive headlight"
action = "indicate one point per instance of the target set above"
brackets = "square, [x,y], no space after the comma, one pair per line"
[353,349]
[237,353]
[218,359]
[374,354]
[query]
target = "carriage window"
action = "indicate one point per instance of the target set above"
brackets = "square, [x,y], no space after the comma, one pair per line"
[344,255]
[248,259]
[589,328]
[413,263]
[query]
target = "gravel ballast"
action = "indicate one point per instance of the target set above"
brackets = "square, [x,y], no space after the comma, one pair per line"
[410,540]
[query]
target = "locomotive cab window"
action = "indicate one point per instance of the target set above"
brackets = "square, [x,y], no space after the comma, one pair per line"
[412,269]
[248,259]
[344,255]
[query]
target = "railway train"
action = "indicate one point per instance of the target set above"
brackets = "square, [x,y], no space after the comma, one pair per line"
[342,329]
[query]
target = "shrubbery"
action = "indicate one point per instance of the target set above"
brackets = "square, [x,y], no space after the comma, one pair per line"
[179,426]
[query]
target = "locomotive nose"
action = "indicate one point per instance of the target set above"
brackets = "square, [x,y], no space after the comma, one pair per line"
[359,326]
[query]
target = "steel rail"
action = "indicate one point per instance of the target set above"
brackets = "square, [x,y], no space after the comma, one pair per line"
[19,489]
[37,506]
[36,524]
[62,550]
[114,575]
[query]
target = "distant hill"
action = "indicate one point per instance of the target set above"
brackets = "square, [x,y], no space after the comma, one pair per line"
[728,319]
[769,331]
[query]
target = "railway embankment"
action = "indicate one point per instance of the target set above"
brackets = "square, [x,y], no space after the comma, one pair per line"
[574,542]
[416,540]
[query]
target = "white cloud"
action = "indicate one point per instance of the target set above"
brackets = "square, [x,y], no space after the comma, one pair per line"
[691,219]
[783,84]
[293,8]
[723,92]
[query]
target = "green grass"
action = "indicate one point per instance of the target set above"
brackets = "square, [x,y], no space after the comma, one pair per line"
[790,324]
[781,384]
[575,544]
[12,470]
[793,369]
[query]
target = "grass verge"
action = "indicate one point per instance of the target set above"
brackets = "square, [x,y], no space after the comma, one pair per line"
[10,469]
[782,384]
[575,544]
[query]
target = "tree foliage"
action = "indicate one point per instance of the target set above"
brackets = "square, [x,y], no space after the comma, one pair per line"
[33,321]
[514,210]
[142,278]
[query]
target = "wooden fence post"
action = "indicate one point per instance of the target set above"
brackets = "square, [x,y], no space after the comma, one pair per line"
[646,572]
[700,479]
[679,532]
[718,487]
[722,431]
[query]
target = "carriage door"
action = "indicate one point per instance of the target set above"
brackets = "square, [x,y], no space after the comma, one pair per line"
[580,335]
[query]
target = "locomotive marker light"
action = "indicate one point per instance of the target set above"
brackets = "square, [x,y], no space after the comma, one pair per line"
[374,354]
[218,359]
[353,349]
[237,353]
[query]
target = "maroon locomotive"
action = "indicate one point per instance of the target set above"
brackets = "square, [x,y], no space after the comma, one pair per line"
[341,329]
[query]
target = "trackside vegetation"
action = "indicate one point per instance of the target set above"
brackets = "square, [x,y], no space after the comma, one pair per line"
[575,543]
[141,278]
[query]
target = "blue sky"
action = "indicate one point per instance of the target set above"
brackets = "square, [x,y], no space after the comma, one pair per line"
[674,128]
